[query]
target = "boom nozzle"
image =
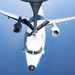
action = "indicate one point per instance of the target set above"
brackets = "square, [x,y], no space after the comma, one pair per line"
[35,4]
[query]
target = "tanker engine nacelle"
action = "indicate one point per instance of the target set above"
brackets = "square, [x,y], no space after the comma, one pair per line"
[55,30]
[17,27]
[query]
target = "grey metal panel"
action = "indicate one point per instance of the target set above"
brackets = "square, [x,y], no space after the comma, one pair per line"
[34,0]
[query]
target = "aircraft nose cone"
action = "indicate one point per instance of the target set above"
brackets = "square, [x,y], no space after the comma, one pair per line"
[31,67]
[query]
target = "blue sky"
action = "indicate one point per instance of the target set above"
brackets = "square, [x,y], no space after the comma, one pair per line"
[59,57]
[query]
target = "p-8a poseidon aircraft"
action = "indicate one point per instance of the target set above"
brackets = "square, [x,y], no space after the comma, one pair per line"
[34,40]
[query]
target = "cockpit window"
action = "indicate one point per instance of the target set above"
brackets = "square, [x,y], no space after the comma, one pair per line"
[38,51]
[34,52]
[29,52]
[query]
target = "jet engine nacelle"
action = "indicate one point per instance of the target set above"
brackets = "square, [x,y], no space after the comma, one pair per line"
[55,31]
[17,27]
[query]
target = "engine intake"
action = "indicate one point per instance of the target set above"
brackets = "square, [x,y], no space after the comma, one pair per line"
[17,27]
[55,31]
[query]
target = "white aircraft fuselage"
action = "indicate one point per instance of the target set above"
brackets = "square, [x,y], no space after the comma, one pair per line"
[34,43]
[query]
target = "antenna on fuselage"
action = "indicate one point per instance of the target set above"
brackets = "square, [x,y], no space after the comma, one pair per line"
[35,4]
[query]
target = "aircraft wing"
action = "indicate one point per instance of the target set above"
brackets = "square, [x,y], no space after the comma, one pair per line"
[9,15]
[17,18]
[61,20]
